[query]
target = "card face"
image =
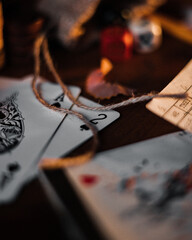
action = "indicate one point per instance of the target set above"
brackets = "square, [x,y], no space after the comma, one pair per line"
[73,131]
[176,111]
[140,191]
[6,81]
[25,129]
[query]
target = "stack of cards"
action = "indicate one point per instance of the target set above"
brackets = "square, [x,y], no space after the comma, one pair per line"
[142,191]
[30,131]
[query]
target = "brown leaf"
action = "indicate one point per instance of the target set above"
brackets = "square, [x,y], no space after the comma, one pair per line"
[99,88]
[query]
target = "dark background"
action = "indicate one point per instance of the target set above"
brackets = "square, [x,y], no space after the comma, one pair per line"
[32,216]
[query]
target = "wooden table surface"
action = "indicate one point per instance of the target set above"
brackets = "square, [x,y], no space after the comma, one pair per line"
[31,216]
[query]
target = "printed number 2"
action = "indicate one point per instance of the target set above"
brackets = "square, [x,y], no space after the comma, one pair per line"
[94,121]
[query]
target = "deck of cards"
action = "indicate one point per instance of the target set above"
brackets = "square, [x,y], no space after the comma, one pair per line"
[140,191]
[133,191]
[143,190]
[29,131]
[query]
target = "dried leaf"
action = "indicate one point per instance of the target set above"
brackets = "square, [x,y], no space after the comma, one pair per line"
[99,88]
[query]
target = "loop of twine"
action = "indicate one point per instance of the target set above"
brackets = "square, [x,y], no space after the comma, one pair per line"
[127,102]
[69,161]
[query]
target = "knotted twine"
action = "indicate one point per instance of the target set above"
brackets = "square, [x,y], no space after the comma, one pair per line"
[41,43]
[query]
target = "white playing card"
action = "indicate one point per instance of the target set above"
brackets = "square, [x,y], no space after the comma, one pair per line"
[25,129]
[73,132]
[134,192]
[6,81]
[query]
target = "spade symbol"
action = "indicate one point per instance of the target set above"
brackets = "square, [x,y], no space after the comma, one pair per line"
[84,127]
[56,104]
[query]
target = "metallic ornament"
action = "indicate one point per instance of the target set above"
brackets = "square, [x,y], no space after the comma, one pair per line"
[147,35]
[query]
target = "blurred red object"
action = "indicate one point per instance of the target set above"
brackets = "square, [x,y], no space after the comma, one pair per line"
[116,43]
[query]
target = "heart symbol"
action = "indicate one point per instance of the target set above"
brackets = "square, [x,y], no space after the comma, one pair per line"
[89,179]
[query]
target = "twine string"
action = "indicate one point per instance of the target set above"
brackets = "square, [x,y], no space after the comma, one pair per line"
[41,42]
[127,102]
[67,161]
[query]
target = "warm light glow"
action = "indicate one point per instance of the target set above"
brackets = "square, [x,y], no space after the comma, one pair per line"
[127,39]
[106,66]
[156,29]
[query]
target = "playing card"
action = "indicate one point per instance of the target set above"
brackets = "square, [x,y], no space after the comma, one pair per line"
[74,132]
[6,81]
[26,127]
[141,191]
